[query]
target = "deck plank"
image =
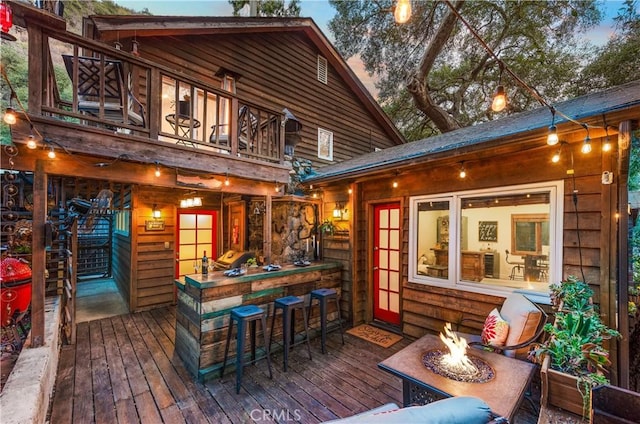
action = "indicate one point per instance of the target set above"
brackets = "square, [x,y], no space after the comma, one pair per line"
[125,370]
[83,389]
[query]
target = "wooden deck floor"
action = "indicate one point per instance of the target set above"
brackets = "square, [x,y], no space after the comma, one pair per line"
[124,370]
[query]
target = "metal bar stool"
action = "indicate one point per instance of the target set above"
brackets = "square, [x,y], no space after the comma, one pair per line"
[289,305]
[243,315]
[323,296]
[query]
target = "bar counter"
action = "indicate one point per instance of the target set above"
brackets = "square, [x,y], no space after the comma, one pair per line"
[204,303]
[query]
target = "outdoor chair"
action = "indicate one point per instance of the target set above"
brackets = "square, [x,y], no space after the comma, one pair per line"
[526,322]
[102,92]
[247,130]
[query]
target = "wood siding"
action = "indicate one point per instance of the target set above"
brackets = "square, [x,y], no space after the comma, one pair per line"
[278,71]
[427,308]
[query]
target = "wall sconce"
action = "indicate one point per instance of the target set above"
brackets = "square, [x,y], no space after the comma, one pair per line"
[191,202]
[339,211]
[155,212]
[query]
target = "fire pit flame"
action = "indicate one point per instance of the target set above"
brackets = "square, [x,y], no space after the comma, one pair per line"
[456,360]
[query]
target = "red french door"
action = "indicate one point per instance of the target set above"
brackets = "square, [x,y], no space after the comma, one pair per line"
[386,263]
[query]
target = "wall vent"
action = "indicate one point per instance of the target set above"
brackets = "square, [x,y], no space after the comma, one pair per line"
[322,69]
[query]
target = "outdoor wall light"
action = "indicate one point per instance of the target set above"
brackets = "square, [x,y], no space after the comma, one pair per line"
[339,211]
[156,212]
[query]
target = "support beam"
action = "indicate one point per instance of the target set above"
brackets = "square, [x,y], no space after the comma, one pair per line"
[38,265]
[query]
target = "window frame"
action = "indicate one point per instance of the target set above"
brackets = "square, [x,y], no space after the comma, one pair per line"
[556,211]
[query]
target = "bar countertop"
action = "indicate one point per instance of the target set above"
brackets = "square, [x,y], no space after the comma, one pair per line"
[217,278]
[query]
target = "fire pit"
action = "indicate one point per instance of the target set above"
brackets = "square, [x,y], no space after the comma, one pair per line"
[457,364]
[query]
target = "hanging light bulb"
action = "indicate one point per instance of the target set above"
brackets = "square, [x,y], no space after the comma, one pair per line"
[52,153]
[226,180]
[10,116]
[463,173]
[277,188]
[499,100]
[556,157]
[31,142]
[552,137]
[586,146]
[402,12]
[606,146]
[158,169]
[395,184]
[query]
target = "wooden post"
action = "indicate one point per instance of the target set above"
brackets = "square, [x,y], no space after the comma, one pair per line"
[624,147]
[38,255]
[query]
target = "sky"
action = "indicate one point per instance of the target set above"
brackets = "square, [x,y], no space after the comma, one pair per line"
[321,12]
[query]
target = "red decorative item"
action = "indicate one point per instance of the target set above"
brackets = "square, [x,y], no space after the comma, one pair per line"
[15,288]
[6,21]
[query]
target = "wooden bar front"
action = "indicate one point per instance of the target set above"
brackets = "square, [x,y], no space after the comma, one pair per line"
[205,301]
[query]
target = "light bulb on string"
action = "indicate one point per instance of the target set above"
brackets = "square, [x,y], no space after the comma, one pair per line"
[402,11]
[10,116]
[51,153]
[556,157]
[499,100]
[586,146]
[31,141]
[158,173]
[463,172]
[552,137]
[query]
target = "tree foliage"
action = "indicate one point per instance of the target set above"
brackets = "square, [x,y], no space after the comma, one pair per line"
[434,79]
[618,61]
[269,7]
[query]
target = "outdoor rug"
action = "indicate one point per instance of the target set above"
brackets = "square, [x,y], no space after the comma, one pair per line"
[375,335]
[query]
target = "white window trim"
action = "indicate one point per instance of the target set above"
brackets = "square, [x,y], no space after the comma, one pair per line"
[328,136]
[556,214]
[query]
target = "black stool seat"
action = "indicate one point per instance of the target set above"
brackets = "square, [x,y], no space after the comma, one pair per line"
[243,315]
[289,305]
[323,296]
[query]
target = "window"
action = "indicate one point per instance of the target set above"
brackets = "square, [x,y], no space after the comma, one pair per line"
[488,241]
[325,144]
[322,70]
[122,220]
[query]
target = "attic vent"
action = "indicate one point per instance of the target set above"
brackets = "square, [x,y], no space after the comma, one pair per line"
[322,69]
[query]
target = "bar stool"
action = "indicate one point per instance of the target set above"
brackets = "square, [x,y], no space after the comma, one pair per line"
[243,315]
[323,296]
[289,305]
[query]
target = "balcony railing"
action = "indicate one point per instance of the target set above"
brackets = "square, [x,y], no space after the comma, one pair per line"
[91,84]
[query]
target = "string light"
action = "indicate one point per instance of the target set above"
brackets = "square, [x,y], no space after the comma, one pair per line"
[556,156]
[606,146]
[10,116]
[402,12]
[52,153]
[157,169]
[552,137]
[31,141]
[463,172]
[586,146]
[226,180]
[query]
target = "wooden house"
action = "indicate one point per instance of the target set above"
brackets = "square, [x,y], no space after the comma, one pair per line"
[442,229]
[183,135]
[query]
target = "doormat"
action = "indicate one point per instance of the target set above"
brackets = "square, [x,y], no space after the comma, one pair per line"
[375,335]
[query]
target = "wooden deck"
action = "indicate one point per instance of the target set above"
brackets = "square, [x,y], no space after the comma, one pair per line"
[123,370]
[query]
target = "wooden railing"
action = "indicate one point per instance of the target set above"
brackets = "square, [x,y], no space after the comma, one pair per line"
[91,84]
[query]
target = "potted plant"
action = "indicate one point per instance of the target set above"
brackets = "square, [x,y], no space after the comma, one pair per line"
[327,227]
[573,357]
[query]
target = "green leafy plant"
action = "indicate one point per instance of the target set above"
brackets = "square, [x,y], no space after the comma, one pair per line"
[327,227]
[575,341]
[252,262]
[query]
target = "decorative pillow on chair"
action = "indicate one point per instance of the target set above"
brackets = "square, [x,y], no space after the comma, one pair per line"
[495,330]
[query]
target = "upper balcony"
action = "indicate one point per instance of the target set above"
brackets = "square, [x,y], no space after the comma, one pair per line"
[84,86]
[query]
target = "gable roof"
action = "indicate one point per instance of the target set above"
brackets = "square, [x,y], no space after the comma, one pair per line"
[616,102]
[112,27]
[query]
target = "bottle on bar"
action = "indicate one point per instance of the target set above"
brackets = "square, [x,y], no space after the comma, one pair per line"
[205,264]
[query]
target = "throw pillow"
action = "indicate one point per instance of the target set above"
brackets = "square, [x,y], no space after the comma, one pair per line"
[495,330]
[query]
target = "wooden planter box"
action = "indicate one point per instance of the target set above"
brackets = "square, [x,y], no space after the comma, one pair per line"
[559,389]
